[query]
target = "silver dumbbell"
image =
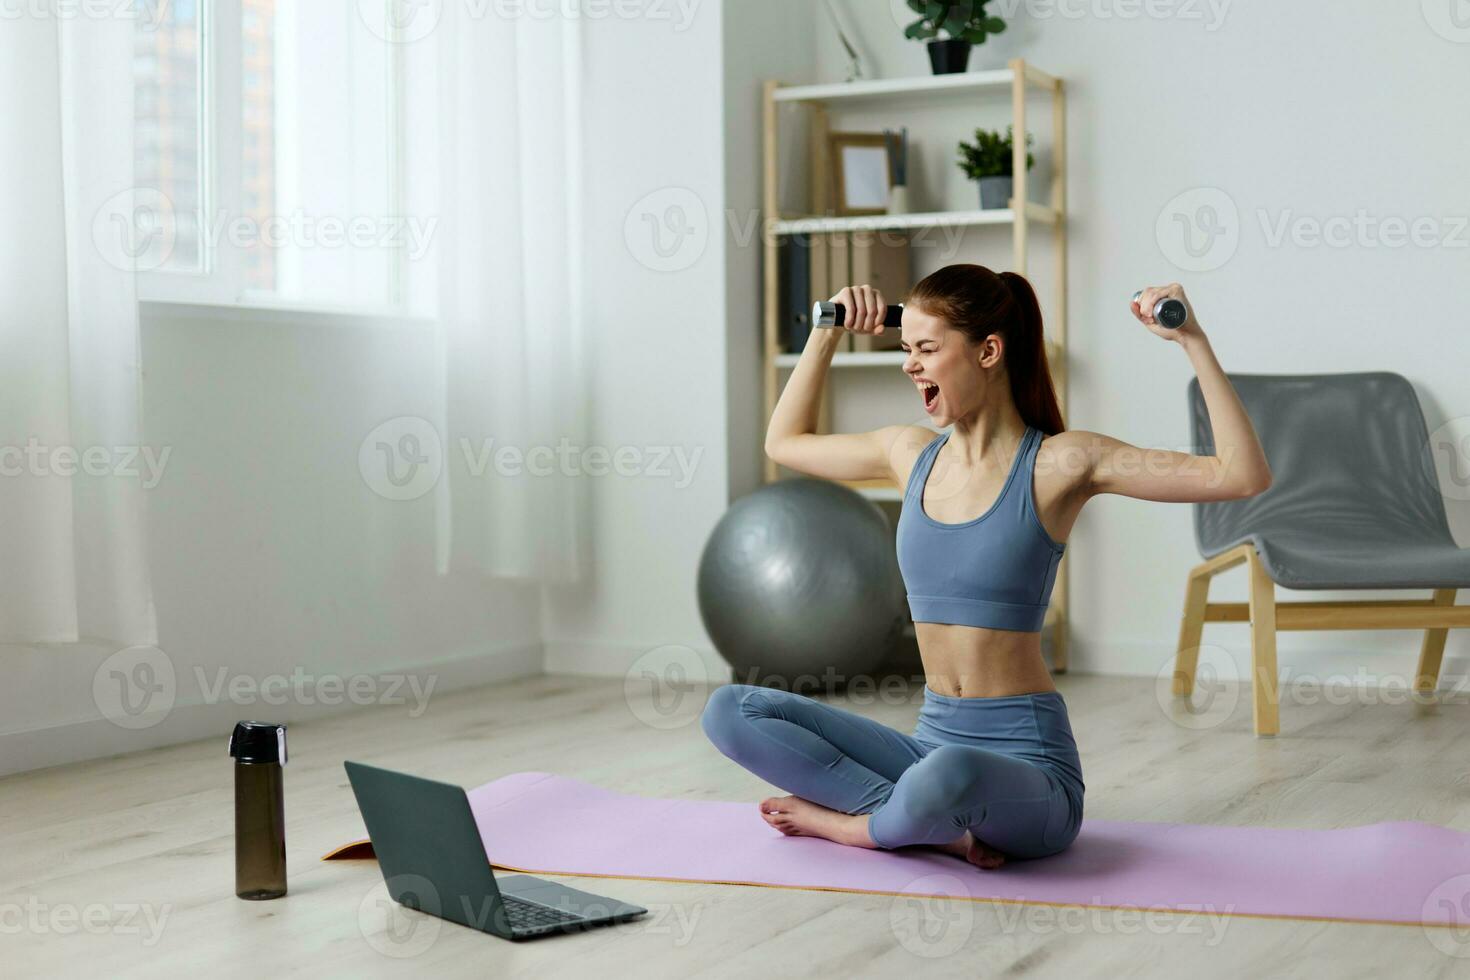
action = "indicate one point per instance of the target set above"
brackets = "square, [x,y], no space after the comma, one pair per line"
[1168,312]
[828,316]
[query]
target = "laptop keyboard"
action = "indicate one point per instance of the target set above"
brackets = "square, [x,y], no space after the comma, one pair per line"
[528,915]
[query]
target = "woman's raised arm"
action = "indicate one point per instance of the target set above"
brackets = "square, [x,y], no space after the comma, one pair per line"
[791,437]
[1238,468]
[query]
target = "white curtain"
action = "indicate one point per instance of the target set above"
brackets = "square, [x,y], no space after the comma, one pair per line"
[72,496]
[493,153]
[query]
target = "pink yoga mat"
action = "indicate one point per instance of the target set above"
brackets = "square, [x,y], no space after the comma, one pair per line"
[1402,872]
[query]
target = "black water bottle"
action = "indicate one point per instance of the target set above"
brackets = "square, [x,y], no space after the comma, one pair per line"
[259,751]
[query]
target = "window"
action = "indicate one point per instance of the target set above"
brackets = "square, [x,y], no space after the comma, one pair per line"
[267,129]
[168,127]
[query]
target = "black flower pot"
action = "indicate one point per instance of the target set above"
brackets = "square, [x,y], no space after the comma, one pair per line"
[950,56]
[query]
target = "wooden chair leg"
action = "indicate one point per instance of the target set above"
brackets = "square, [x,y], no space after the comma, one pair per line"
[1191,629]
[1431,651]
[1265,694]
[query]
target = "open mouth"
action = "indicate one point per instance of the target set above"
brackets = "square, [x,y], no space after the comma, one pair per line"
[930,391]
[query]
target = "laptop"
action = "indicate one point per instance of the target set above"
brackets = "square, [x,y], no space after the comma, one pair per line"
[433,860]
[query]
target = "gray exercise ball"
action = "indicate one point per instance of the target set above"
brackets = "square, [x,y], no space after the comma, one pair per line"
[799,584]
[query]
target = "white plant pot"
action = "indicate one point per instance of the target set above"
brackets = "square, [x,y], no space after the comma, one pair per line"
[898,199]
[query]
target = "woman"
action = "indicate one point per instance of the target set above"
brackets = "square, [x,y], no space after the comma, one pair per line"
[991,772]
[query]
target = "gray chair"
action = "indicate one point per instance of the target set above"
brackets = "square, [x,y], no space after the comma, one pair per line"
[1355,503]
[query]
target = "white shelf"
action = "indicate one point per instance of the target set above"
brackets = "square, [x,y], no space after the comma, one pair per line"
[882,493]
[879,88]
[852,358]
[925,219]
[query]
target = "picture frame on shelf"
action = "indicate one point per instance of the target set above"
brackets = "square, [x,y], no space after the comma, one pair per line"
[862,172]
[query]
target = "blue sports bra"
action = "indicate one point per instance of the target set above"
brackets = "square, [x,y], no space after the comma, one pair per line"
[995,571]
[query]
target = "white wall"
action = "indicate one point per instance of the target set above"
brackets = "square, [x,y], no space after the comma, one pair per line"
[682,103]
[652,105]
[763,39]
[271,557]
[1296,110]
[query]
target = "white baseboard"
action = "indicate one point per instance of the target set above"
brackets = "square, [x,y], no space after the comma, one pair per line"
[702,664]
[98,737]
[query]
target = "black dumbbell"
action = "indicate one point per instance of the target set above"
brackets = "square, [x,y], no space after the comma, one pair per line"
[831,315]
[1168,312]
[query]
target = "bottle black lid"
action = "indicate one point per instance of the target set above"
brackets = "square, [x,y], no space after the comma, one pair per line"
[258,741]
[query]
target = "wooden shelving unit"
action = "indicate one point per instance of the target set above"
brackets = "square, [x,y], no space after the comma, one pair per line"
[1018,79]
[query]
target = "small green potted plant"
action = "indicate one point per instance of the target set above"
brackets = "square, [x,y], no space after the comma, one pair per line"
[965,24]
[991,161]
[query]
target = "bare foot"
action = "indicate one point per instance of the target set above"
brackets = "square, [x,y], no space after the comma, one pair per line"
[979,854]
[796,817]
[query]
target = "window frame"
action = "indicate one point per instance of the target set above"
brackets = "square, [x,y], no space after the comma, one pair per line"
[219,278]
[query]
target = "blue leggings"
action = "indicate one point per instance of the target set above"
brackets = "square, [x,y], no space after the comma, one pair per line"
[1005,769]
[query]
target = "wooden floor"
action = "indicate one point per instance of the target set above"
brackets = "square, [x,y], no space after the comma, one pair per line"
[145,842]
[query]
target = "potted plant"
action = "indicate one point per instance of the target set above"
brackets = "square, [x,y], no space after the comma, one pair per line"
[964,22]
[991,161]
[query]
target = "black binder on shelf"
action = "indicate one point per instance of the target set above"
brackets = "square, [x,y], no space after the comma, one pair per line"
[796,293]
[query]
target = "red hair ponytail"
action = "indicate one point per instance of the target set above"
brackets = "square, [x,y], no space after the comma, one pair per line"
[979,302]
